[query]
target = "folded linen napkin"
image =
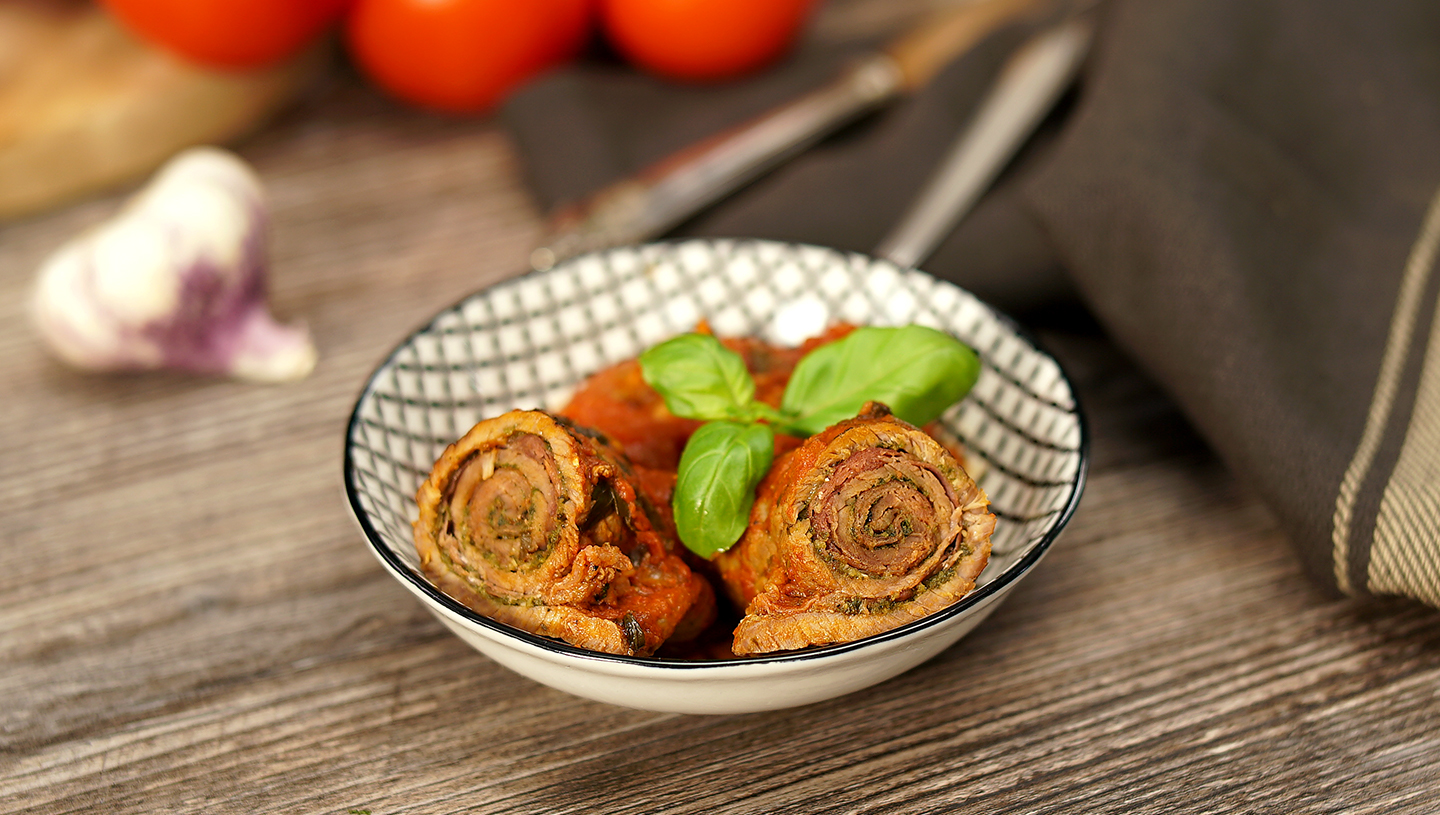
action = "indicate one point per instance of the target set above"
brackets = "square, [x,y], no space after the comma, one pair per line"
[1246,194]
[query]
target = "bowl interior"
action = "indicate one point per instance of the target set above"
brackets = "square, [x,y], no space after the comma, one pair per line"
[530,341]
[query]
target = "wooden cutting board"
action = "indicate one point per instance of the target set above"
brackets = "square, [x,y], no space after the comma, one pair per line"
[85,106]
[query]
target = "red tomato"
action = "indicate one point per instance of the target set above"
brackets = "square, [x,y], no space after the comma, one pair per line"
[463,55]
[702,39]
[228,33]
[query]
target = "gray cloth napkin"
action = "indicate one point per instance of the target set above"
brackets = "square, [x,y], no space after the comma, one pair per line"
[1244,193]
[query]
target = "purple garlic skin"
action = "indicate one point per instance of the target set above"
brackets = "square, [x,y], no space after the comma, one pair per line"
[176,280]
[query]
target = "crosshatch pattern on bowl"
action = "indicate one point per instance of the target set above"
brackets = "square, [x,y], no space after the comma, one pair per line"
[530,341]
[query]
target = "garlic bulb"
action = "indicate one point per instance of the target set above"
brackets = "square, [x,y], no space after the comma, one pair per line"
[175,280]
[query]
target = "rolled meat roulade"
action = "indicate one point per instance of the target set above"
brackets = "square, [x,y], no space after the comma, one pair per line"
[866,526]
[537,523]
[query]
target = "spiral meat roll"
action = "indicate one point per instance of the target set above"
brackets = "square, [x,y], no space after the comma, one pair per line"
[539,524]
[866,526]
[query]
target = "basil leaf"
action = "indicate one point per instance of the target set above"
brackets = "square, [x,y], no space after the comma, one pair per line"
[715,488]
[698,377]
[917,371]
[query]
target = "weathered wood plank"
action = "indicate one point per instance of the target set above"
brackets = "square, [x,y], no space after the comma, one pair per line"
[190,622]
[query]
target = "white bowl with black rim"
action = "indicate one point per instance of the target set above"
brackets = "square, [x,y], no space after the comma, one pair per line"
[528,342]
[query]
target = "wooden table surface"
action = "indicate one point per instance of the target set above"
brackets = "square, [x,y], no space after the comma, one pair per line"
[190,620]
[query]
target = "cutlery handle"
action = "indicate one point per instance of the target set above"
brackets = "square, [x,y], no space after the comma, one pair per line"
[665,194]
[1029,85]
[924,50]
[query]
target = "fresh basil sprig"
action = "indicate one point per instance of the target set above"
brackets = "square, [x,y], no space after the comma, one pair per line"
[917,372]
[698,377]
[719,469]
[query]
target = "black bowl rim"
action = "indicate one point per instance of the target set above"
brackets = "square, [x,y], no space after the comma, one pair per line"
[971,600]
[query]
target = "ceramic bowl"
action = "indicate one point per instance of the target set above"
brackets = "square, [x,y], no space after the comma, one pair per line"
[529,341]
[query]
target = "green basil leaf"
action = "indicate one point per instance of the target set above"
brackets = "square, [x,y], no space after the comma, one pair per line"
[917,371]
[715,488]
[698,377]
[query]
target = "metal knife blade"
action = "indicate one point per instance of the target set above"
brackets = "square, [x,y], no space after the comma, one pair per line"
[1029,85]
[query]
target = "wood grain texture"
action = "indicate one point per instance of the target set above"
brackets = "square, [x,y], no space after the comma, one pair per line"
[191,622]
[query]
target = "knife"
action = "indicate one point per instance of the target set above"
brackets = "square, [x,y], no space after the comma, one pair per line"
[667,193]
